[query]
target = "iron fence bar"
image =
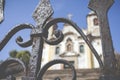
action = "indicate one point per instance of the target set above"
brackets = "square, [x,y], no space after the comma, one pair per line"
[41,14]
[101,7]
[35,61]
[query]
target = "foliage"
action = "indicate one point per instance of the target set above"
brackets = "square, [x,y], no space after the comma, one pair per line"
[13,53]
[22,55]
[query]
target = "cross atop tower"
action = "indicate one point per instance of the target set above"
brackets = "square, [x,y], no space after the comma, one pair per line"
[69,16]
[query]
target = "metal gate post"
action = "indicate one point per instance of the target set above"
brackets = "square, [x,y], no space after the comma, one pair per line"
[101,8]
[41,15]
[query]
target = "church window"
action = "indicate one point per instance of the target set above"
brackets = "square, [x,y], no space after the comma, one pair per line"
[81,48]
[69,45]
[95,21]
[57,50]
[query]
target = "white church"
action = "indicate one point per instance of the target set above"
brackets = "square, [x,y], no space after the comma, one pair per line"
[73,48]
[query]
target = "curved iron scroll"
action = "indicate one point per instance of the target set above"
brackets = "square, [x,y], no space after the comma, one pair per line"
[4,67]
[19,40]
[59,37]
[42,13]
[56,41]
[51,63]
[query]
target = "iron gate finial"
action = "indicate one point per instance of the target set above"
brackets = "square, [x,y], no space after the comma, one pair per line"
[42,12]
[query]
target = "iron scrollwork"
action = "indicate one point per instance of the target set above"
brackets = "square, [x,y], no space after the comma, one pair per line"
[19,39]
[5,71]
[39,34]
[51,63]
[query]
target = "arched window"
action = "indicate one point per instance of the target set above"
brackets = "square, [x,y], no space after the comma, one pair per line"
[81,49]
[69,45]
[57,50]
[95,21]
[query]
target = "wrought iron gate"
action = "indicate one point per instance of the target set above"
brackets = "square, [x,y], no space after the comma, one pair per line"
[39,34]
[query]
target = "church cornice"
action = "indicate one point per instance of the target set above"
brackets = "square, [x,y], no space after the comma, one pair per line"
[90,36]
[69,33]
[74,54]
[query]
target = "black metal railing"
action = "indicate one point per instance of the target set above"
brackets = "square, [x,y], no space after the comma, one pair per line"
[39,34]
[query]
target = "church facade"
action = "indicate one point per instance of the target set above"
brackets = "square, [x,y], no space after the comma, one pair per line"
[73,48]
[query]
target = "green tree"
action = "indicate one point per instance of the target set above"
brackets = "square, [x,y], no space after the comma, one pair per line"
[13,53]
[24,56]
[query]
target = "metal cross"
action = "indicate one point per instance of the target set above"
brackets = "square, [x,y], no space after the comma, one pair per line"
[70,16]
[101,7]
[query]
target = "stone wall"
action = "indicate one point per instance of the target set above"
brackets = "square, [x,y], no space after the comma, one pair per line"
[82,74]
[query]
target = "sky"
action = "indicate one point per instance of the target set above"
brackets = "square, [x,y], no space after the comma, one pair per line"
[20,11]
